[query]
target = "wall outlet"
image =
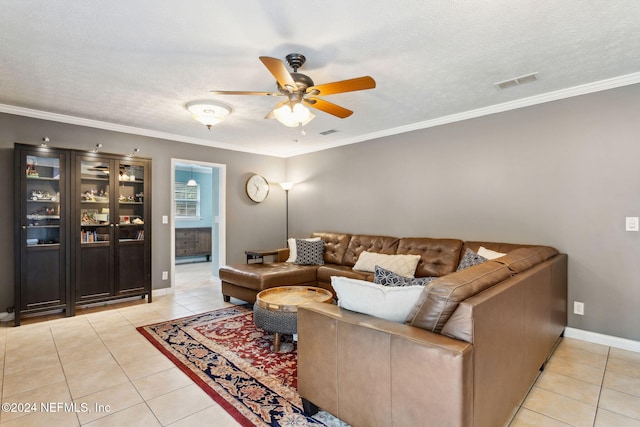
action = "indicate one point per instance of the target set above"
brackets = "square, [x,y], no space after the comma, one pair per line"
[578,308]
[165,275]
[165,219]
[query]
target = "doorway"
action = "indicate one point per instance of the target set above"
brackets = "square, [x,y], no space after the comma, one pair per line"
[198,214]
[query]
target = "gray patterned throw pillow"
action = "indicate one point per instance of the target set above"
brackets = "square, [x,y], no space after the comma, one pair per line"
[309,253]
[389,278]
[469,259]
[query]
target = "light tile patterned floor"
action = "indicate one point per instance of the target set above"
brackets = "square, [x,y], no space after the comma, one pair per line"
[98,358]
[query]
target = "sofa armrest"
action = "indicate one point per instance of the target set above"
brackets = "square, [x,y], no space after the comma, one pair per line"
[341,353]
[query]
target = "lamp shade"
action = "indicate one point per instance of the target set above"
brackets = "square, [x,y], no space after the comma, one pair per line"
[287,185]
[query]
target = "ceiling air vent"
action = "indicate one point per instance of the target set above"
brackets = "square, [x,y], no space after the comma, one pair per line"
[527,78]
[328,132]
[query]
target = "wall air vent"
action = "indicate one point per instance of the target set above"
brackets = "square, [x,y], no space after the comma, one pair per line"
[527,78]
[328,132]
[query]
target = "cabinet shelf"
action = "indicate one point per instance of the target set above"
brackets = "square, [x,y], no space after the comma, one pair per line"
[44,245]
[40,178]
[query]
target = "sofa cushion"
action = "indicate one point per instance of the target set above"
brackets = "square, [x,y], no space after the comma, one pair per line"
[404,265]
[441,297]
[293,253]
[335,246]
[361,242]
[386,277]
[391,303]
[309,252]
[469,259]
[522,259]
[494,246]
[489,254]
[437,256]
[325,272]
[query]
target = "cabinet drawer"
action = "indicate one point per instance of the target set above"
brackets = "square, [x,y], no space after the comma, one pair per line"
[182,244]
[183,252]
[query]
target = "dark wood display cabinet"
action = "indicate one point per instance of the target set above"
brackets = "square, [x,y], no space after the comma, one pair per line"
[83,229]
[41,232]
[111,227]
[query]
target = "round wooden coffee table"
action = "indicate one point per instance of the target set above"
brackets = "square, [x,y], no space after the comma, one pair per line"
[276,309]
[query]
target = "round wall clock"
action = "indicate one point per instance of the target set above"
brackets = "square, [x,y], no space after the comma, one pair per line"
[257,188]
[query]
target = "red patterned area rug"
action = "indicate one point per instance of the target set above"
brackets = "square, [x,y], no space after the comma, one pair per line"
[232,360]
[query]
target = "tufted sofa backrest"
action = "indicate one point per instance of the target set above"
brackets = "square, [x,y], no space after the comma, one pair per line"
[364,242]
[335,246]
[437,256]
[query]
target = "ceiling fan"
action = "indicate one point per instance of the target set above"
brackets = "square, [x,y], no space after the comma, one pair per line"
[301,91]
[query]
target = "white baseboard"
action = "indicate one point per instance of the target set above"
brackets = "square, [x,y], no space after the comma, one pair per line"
[594,337]
[7,317]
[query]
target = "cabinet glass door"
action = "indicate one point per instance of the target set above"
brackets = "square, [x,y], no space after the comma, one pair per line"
[42,200]
[131,202]
[94,200]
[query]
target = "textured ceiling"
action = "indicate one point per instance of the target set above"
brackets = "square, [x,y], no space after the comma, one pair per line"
[132,66]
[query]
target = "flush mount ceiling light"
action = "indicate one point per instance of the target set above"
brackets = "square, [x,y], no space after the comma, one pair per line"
[209,113]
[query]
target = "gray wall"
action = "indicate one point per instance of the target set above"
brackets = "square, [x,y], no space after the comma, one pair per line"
[249,225]
[563,174]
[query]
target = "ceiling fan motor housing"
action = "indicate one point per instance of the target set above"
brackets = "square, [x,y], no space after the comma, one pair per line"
[295,60]
[302,82]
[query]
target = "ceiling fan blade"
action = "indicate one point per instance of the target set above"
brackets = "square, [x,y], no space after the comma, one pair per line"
[327,107]
[359,83]
[279,71]
[271,114]
[242,92]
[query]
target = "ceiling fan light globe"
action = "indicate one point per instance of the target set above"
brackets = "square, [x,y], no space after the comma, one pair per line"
[293,116]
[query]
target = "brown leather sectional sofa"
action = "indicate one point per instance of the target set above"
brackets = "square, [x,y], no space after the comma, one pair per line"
[469,351]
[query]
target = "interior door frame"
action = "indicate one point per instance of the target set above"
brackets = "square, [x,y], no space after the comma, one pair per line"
[221,217]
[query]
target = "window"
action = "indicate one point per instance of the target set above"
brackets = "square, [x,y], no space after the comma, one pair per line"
[187,199]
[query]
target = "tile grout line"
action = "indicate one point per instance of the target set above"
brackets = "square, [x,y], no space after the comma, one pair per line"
[604,373]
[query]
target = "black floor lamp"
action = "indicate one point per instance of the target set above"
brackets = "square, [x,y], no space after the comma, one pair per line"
[286,186]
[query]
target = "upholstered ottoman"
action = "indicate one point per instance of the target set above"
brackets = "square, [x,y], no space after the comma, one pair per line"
[244,281]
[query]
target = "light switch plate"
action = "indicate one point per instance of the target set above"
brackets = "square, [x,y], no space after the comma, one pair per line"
[632,223]
[165,219]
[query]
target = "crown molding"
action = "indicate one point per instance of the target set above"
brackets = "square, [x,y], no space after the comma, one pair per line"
[598,86]
[73,120]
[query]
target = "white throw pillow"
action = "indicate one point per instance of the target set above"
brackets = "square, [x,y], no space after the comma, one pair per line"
[293,253]
[387,302]
[404,265]
[488,253]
